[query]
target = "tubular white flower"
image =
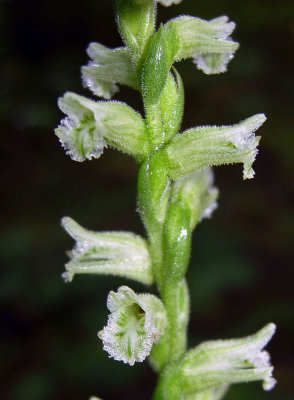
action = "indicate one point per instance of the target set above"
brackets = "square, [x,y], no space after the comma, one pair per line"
[90,126]
[220,362]
[108,68]
[205,146]
[108,253]
[135,323]
[207,42]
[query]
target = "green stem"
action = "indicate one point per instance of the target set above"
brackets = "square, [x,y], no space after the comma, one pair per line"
[165,223]
[175,297]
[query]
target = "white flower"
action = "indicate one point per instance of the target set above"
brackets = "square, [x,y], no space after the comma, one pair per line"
[208,43]
[205,146]
[107,253]
[220,362]
[135,323]
[215,63]
[107,68]
[92,125]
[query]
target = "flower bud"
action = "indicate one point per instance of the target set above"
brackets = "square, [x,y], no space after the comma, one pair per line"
[109,253]
[135,323]
[205,146]
[108,68]
[198,194]
[222,362]
[90,126]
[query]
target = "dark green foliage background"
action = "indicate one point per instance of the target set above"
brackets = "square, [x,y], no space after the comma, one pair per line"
[241,274]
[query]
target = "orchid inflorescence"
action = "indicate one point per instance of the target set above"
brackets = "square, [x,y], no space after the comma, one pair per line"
[175,192]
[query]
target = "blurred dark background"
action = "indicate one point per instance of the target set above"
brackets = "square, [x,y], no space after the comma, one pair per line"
[241,274]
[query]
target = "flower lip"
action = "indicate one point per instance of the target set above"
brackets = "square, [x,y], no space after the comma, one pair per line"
[81,132]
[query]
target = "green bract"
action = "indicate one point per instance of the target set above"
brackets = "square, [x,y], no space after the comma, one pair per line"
[135,323]
[175,192]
